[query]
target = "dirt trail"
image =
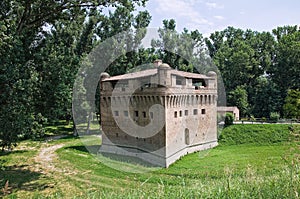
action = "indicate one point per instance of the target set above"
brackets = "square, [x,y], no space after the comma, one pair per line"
[46,158]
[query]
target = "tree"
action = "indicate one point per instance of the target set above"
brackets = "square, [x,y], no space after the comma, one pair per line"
[239,98]
[184,51]
[38,64]
[264,98]
[291,107]
[243,57]
[286,71]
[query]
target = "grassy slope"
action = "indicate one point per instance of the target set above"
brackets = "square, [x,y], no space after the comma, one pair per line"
[269,169]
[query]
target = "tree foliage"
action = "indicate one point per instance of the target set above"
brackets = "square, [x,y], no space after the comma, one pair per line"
[41,45]
[292,104]
[265,64]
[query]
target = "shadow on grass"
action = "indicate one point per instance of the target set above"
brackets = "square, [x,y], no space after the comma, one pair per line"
[110,158]
[2,153]
[88,149]
[19,178]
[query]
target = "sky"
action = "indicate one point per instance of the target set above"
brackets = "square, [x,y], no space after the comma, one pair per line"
[214,15]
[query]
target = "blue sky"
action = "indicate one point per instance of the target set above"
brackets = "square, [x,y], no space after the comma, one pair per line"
[210,15]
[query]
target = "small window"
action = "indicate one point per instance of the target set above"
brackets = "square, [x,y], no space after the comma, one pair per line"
[203,111]
[116,113]
[175,114]
[144,114]
[136,113]
[117,135]
[151,115]
[186,112]
[126,113]
[195,111]
[180,113]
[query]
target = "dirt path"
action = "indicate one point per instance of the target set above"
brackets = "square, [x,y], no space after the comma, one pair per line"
[46,158]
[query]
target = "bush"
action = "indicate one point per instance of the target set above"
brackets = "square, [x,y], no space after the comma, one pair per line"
[229,118]
[274,117]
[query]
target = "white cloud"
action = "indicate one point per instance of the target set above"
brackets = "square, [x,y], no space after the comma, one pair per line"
[213,5]
[219,17]
[181,9]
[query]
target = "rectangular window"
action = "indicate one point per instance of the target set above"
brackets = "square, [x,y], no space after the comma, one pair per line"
[144,114]
[116,113]
[180,113]
[195,111]
[175,114]
[203,111]
[126,113]
[136,113]
[186,112]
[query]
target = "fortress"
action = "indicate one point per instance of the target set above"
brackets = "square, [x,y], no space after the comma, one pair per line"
[159,114]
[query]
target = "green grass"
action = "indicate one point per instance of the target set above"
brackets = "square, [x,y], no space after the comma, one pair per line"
[237,168]
[255,133]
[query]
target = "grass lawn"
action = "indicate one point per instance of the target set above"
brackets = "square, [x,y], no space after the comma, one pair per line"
[231,170]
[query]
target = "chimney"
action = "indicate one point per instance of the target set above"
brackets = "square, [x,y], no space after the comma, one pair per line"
[157,63]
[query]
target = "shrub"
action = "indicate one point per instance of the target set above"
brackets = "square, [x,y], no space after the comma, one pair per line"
[274,117]
[229,118]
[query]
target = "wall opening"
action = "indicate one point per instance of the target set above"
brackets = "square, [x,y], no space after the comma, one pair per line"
[195,111]
[187,136]
[186,112]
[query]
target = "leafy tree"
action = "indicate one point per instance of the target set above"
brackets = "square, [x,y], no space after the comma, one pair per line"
[242,56]
[286,71]
[239,98]
[184,51]
[264,98]
[37,65]
[292,104]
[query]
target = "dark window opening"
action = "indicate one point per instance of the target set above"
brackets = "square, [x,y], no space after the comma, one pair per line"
[198,83]
[116,113]
[186,112]
[175,114]
[203,111]
[195,111]
[136,113]
[144,114]
[126,113]
[180,113]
